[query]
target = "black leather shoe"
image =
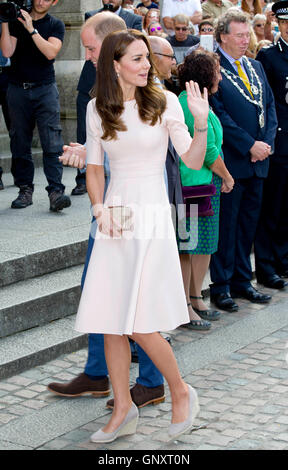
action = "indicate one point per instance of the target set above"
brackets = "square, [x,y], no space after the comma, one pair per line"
[1,184]
[224,301]
[252,295]
[79,190]
[274,281]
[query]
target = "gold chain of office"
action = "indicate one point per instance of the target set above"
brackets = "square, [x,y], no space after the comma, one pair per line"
[255,89]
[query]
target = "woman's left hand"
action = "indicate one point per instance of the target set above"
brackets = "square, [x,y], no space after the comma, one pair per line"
[227,185]
[197,104]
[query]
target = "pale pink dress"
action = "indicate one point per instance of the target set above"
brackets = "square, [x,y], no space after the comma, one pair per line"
[134,284]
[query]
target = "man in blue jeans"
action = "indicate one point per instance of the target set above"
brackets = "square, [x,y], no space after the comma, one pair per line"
[149,386]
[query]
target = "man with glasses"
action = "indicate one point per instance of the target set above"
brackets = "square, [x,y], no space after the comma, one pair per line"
[163,56]
[171,8]
[271,245]
[215,8]
[245,106]
[182,40]
[181,43]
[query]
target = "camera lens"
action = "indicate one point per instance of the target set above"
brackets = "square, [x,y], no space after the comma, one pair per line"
[8,11]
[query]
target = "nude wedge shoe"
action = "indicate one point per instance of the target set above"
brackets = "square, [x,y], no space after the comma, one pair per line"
[176,429]
[128,426]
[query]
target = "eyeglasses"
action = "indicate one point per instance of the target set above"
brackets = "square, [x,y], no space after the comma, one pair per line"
[258,25]
[207,30]
[179,28]
[172,57]
[158,28]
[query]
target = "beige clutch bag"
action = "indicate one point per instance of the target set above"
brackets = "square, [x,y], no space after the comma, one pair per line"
[122,215]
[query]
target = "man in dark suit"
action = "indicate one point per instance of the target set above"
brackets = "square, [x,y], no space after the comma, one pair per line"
[246,109]
[271,244]
[87,80]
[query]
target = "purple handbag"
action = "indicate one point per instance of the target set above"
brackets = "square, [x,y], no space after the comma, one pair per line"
[200,195]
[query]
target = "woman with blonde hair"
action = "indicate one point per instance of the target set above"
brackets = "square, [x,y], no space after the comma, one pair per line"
[258,24]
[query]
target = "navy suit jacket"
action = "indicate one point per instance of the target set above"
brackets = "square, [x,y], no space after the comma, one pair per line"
[88,73]
[240,121]
[275,62]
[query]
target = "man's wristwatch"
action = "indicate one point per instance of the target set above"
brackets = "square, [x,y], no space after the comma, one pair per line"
[34,32]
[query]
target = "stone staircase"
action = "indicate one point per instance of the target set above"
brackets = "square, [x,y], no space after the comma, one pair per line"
[41,263]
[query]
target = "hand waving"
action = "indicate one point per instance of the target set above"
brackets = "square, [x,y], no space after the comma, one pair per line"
[197,104]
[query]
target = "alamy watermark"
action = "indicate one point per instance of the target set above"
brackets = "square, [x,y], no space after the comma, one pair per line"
[155,221]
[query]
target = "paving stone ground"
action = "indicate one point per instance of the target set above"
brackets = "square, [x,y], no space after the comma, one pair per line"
[243,396]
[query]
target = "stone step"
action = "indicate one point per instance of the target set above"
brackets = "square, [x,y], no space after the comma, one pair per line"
[15,267]
[4,142]
[38,301]
[5,156]
[35,241]
[39,345]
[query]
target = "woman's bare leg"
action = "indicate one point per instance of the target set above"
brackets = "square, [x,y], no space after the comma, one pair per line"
[199,268]
[185,261]
[118,359]
[160,352]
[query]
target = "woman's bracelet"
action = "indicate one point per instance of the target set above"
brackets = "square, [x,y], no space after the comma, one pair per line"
[201,129]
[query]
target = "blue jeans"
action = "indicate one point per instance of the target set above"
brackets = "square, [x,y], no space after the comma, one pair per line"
[149,375]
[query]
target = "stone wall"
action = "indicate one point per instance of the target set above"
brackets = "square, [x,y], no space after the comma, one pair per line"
[70,60]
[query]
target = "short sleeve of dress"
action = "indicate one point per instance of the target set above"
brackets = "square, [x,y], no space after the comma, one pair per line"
[173,119]
[94,148]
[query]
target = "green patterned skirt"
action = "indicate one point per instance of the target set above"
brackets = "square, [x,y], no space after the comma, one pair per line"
[202,233]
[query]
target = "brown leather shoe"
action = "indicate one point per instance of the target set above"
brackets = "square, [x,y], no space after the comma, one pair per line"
[143,396]
[81,385]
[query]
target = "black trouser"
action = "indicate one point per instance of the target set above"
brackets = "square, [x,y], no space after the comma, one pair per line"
[82,101]
[271,244]
[37,105]
[230,266]
[3,100]
[3,95]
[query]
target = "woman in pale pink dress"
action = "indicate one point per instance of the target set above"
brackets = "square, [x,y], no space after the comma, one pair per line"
[134,283]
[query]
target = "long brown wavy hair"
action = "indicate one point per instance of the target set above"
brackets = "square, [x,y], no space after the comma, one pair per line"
[256,6]
[150,99]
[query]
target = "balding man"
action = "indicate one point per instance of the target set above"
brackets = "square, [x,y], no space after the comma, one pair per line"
[164,60]
[164,57]
[87,80]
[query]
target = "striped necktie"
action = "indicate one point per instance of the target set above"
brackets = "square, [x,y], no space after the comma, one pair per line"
[243,77]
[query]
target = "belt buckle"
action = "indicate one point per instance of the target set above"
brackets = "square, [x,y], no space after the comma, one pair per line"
[1,69]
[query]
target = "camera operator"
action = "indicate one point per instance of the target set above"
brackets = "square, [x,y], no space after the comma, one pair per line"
[33,42]
[4,67]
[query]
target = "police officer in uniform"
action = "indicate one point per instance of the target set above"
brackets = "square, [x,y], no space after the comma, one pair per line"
[271,244]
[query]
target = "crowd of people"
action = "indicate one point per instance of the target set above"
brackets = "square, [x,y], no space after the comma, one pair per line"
[145,92]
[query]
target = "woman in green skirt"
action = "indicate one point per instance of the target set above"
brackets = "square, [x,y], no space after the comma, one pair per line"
[201,236]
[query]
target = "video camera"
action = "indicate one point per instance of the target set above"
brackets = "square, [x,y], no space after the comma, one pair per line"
[10,11]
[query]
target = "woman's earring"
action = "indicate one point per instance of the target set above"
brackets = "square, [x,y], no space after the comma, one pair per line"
[117,75]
